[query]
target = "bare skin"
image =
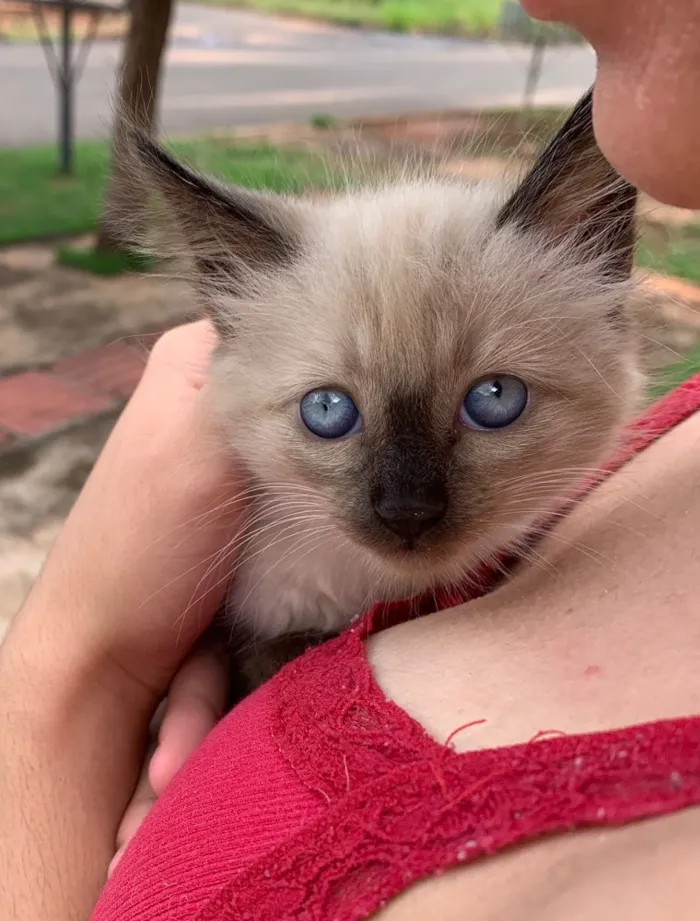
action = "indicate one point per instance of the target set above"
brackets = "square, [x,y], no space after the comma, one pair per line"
[126,591]
[647,87]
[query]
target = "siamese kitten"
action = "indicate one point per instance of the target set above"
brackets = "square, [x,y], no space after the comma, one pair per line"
[413,373]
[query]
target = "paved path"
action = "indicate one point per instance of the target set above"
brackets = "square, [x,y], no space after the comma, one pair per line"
[228,68]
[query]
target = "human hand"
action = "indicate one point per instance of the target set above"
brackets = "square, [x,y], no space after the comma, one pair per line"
[133,580]
[194,705]
[141,564]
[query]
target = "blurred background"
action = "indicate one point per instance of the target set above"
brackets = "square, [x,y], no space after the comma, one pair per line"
[277,94]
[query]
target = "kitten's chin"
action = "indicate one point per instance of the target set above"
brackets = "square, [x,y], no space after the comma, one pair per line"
[411,572]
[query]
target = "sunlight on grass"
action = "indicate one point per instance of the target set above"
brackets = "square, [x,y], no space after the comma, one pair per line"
[449,16]
[36,203]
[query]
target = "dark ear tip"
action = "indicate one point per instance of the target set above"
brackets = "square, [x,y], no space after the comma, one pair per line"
[149,157]
[583,109]
[144,148]
[573,191]
[136,142]
[142,143]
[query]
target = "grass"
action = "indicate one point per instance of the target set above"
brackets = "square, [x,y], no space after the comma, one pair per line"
[322,121]
[36,203]
[675,374]
[680,257]
[472,17]
[672,251]
[105,264]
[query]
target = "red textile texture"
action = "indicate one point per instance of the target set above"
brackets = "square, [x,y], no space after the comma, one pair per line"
[235,800]
[317,799]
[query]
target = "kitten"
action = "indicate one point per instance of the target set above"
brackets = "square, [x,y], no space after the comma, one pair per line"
[413,373]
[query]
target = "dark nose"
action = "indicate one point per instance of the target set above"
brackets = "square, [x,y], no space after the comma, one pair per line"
[411,516]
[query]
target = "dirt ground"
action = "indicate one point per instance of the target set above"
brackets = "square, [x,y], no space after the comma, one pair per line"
[49,312]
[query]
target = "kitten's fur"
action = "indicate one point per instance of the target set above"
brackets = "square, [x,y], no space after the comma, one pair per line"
[403,295]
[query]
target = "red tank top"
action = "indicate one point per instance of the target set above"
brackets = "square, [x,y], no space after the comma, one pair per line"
[319,799]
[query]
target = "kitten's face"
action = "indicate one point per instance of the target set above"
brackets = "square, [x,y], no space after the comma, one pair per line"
[403,303]
[432,366]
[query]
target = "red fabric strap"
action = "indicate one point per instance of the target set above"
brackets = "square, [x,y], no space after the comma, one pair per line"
[449,809]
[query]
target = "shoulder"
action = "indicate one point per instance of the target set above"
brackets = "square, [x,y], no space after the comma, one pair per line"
[588,876]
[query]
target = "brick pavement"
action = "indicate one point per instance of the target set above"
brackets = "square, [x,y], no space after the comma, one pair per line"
[37,403]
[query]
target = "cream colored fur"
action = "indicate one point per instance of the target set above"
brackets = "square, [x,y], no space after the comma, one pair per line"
[415,288]
[410,283]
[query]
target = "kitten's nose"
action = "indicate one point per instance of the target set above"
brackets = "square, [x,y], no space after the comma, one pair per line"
[411,516]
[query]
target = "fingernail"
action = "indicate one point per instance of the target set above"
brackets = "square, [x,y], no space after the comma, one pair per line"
[114,861]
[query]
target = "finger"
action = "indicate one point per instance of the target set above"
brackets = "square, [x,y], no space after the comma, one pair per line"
[196,702]
[140,805]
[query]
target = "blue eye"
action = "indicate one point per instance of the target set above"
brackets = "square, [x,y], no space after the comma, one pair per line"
[329,414]
[494,403]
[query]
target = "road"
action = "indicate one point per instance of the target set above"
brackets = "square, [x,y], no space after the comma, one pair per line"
[228,68]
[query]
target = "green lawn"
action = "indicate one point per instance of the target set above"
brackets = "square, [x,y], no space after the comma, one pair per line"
[107,264]
[674,374]
[36,203]
[680,255]
[453,16]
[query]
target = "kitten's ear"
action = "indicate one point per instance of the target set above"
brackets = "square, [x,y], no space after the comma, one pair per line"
[573,193]
[231,234]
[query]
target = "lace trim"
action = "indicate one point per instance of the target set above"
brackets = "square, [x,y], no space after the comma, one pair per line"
[333,724]
[449,809]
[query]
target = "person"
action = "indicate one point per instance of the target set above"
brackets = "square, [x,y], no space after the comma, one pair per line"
[646,89]
[605,638]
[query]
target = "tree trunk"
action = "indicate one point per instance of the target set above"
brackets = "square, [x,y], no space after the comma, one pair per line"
[138,95]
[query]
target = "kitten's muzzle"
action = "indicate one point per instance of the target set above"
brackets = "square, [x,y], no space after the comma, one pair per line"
[411,516]
[410,491]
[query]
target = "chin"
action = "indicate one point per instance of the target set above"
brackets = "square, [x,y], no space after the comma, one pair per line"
[414,570]
[445,560]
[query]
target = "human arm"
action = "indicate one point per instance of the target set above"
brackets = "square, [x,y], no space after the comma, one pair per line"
[134,578]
